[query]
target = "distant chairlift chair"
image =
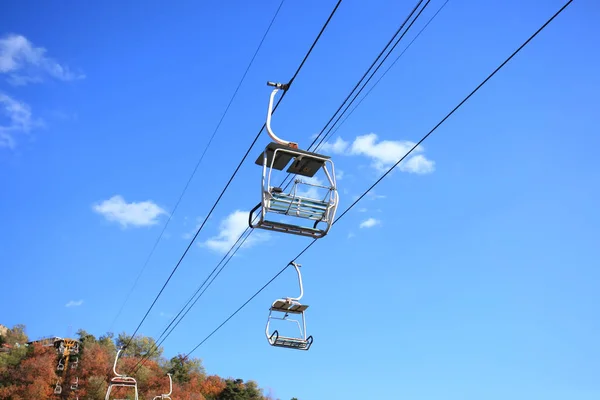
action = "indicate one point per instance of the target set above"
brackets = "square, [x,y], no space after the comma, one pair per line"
[168,395]
[58,388]
[121,380]
[277,155]
[290,306]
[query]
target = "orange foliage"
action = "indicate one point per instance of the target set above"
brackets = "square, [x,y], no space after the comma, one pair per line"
[33,378]
[212,386]
[31,374]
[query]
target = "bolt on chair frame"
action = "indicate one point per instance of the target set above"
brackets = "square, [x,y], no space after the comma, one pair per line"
[168,395]
[277,155]
[121,380]
[290,305]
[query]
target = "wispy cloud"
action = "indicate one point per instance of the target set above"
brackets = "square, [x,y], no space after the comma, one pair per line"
[340,146]
[370,223]
[384,153]
[18,120]
[25,63]
[230,229]
[74,303]
[371,195]
[165,315]
[116,209]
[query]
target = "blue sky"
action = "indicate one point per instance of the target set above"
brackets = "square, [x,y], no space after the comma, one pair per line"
[469,273]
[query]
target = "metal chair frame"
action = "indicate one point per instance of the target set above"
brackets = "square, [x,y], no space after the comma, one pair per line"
[290,305]
[291,204]
[168,395]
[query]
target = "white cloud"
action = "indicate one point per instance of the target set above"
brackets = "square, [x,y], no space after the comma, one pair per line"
[338,147]
[116,209]
[351,235]
[370,223]
[24,63]
[384,153]
[417,164]
[339,174]
[374,196]
[74,303]
[19,120]
[165,315]
[230,229]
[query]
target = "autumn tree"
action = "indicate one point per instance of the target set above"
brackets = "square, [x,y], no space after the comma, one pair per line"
[32,378]
[29,371]
[140,346]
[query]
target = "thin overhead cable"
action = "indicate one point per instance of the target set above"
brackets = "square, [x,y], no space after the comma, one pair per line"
[330,133]
[373,74]
[388,171]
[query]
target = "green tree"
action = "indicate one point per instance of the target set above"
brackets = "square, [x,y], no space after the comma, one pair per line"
[182,368]
[140,346]
[85,338]
[237,390]
[106,341]
[16,336]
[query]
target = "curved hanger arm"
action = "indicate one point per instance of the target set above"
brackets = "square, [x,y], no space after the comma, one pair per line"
[170,385]
[297,268]
[116,360]
[276,139]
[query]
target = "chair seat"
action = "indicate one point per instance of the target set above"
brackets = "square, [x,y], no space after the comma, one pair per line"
[283,203]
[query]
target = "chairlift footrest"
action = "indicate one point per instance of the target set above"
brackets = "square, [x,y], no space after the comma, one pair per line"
[291,343]
[293,229]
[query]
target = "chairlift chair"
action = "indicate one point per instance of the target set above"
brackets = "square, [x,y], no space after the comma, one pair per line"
[75,362]
[277,155]
[58,388]
[121,380]
[61,364]
[168,395]
[288,306]
[75,385]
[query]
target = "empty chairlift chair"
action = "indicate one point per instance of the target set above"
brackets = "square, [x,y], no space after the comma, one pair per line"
[58,388]
[319,210]
[168,395]
[289,306]
[121,380]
